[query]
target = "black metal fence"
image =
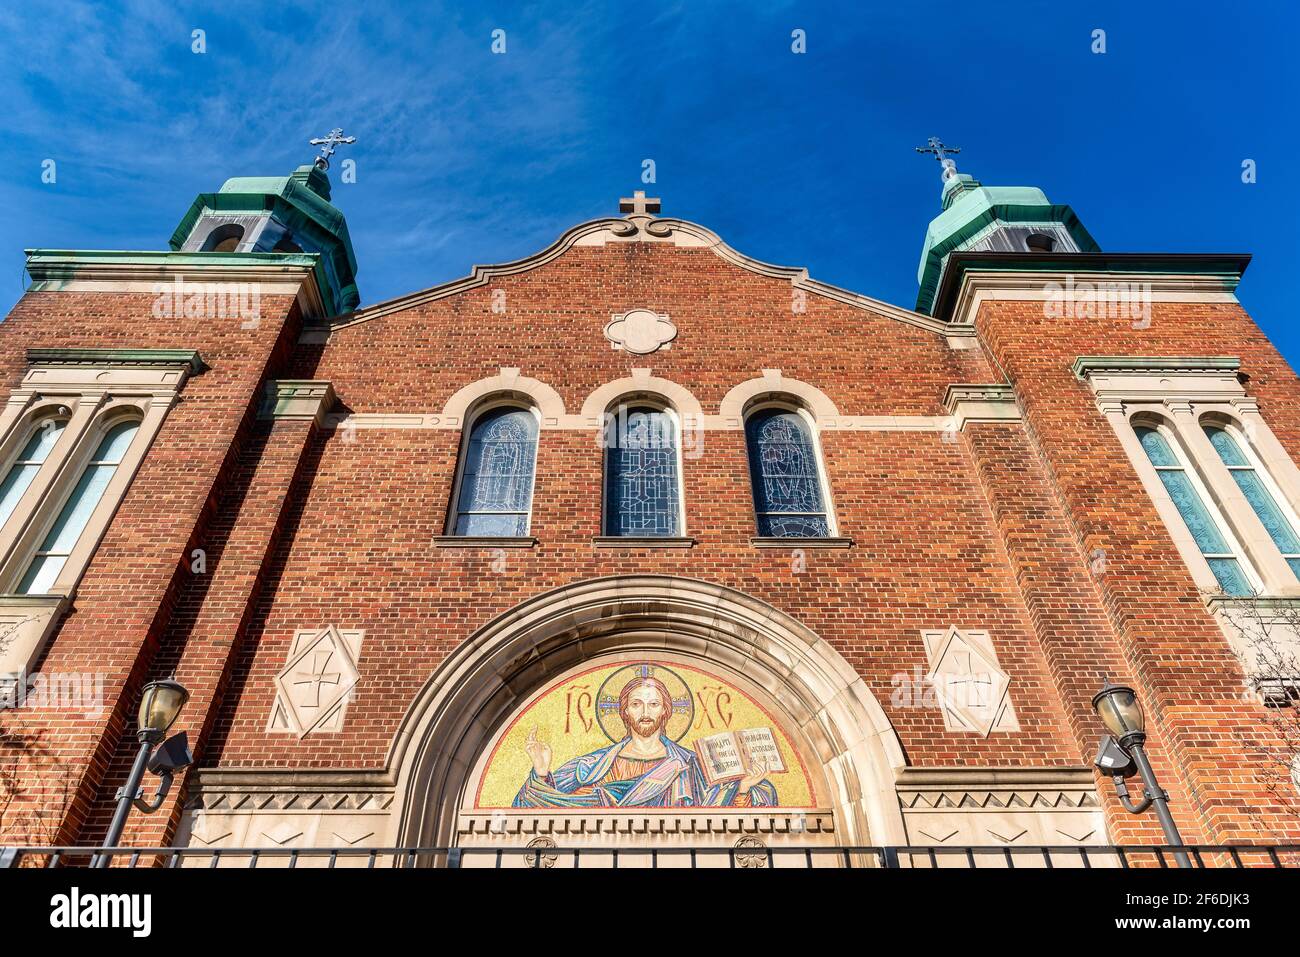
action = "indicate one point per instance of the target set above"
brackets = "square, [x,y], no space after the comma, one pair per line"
[542,856]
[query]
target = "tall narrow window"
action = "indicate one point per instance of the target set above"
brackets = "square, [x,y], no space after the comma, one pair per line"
[496,485]
[1206,529]
[783,470]
[1255,488]
[62,537]
[33,455]
[642,494]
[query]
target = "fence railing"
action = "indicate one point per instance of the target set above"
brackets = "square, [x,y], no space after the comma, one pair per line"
[744,857]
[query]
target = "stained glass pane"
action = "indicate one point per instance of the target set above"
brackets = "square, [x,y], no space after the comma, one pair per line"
[793,526]
[641,481]
[72,520]
[27,465]
[1199,521]
[495,524]
[38,446]
[1231,578]
[1295,566]
[75,514]
[1157,448]
[1226,446]
[13,487]
[783,471]
[115,444]
[497,481]
[1265,506]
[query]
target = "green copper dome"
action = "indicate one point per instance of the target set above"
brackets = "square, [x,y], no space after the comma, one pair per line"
[993,218]
[282,214]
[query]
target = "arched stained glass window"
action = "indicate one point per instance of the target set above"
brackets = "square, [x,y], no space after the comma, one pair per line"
[496,484]
[1206,528]
[71,522]
[783,469]
[29,461]
[641,480]
[1255,488]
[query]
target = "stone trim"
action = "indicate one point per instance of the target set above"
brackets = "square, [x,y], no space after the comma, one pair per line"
[274,274]
[671,822]
[117,357]
[996,788]
[297,399]
[91,390]
[483,541]
[327,653]
[772,541]
[990,402]
[678,232]
[638,385]
[1177,393]
[984,285]
[436,420]
[953,653]
[1086,366]
[775,387]
[26,624]
[244,807]
[643,541]
[1002,807]
[508,383]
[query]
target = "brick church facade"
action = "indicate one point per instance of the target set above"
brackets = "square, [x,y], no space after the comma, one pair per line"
[406,557]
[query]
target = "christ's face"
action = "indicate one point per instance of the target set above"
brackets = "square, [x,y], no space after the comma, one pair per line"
[646,712]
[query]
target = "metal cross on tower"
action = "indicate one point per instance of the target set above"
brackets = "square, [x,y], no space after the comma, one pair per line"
[327,143]
[941,153]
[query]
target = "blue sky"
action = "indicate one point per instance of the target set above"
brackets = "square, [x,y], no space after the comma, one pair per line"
[465,157]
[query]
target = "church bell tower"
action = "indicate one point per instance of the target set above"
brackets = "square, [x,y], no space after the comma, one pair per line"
[279,214]
[979,218]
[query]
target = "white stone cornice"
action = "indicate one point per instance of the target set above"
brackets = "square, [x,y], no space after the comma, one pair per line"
[297,399]
[1161,379]
[987,402]
[151,272]
[979,286]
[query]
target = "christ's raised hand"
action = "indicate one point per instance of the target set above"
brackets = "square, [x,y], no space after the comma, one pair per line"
[539,752]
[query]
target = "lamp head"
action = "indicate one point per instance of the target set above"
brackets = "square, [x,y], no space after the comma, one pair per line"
[160,705]
[1120,712]
[172,755]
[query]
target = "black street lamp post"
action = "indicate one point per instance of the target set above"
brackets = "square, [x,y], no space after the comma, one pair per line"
[160,705]
[1122,750]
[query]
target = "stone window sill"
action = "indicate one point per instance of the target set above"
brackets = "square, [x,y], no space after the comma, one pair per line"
[764,541]
[642,541]
[483,541]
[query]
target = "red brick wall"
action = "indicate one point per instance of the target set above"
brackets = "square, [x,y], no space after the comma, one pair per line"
[1187,676]
[986,532]
[125,597]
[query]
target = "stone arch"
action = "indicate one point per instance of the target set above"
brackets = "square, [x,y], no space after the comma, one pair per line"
[463,705]
[773,385]
[642,383]
[508,382]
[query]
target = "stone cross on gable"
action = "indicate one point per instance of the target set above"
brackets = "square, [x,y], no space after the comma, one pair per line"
[327,143]
[638,204]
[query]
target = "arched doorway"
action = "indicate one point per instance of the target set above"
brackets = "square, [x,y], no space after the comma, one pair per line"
[460,749]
